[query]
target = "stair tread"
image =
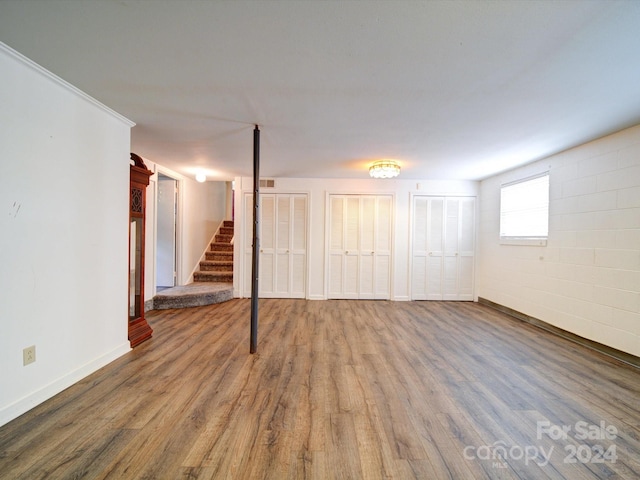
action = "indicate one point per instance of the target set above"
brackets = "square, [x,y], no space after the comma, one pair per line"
[216,266]
[221,247]
[218,263]
[213,274]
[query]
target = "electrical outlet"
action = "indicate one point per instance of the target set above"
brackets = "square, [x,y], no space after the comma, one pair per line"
[29,355]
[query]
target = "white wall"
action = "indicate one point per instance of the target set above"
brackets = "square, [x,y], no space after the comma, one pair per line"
[317,190]
[587,279]
[204,207]
[64,169]
[201,209]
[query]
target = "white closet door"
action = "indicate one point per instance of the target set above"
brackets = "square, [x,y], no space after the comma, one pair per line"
[298,272]
[366,253]
[427,248]
[435,247]
[281,274]
[283,245]
[420,250]
[248,242]
[336,245]
[451,239]
[442,258]
[382,251]
[466,248]
[352,250]
[459,249]
[359,246]
[268,251]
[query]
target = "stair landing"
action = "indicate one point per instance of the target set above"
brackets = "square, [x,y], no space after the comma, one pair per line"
[195,294]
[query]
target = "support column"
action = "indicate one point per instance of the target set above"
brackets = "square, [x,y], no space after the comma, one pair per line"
[256,240]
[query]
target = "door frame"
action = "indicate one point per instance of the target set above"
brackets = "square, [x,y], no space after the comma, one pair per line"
[178,202]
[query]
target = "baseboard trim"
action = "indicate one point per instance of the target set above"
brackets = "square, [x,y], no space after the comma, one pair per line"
[619,355]
[316,297]
[34,399]
[401,298]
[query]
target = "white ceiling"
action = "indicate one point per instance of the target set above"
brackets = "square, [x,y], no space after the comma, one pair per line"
[451,89]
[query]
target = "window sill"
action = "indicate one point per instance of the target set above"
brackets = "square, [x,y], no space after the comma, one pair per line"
[533,242]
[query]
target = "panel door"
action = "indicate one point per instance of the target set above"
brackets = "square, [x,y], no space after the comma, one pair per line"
[359,246]
[166,214]
[366,250]
[466,248]
[280,270]
[248,243]
[428,248]
[289,275]
[382,248]
[344,239]
[298,241]
[268,251]
[443,233]
[451,240]
[283,245]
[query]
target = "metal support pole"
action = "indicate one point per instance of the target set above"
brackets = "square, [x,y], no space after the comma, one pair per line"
[256,240]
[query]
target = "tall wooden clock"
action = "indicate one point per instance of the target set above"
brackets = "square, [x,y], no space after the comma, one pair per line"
[139,329]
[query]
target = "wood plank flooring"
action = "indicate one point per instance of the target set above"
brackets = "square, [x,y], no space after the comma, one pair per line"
[338,390]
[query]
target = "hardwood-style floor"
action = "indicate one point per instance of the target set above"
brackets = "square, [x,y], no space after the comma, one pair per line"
[338,390]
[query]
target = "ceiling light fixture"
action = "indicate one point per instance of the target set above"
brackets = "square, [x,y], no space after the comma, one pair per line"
[201,177]
[384,169]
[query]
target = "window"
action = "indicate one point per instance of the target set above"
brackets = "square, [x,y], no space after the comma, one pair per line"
[524,210]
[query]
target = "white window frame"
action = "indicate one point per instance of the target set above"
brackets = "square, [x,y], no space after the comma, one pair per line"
[533,239]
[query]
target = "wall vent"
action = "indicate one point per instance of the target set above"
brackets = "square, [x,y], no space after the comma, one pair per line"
[267,183]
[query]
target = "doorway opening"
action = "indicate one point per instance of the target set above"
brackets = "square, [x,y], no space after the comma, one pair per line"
[166,234]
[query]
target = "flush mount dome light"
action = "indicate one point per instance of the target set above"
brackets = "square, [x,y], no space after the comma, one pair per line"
[201,177]
[384,169]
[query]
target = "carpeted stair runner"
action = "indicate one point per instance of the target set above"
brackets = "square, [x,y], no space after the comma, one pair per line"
[218,263]
[212,284]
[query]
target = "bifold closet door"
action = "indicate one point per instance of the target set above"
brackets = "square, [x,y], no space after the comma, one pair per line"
[283,245]
[360,246]
[290,273]
[428,248]
[459,242]
[443,248]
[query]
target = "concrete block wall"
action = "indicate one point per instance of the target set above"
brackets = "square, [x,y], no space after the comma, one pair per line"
[586,280]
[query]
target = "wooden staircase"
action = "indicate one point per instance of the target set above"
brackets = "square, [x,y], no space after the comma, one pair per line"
[218,263]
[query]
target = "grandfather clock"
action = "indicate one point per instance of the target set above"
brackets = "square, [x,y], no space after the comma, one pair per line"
[139,329]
